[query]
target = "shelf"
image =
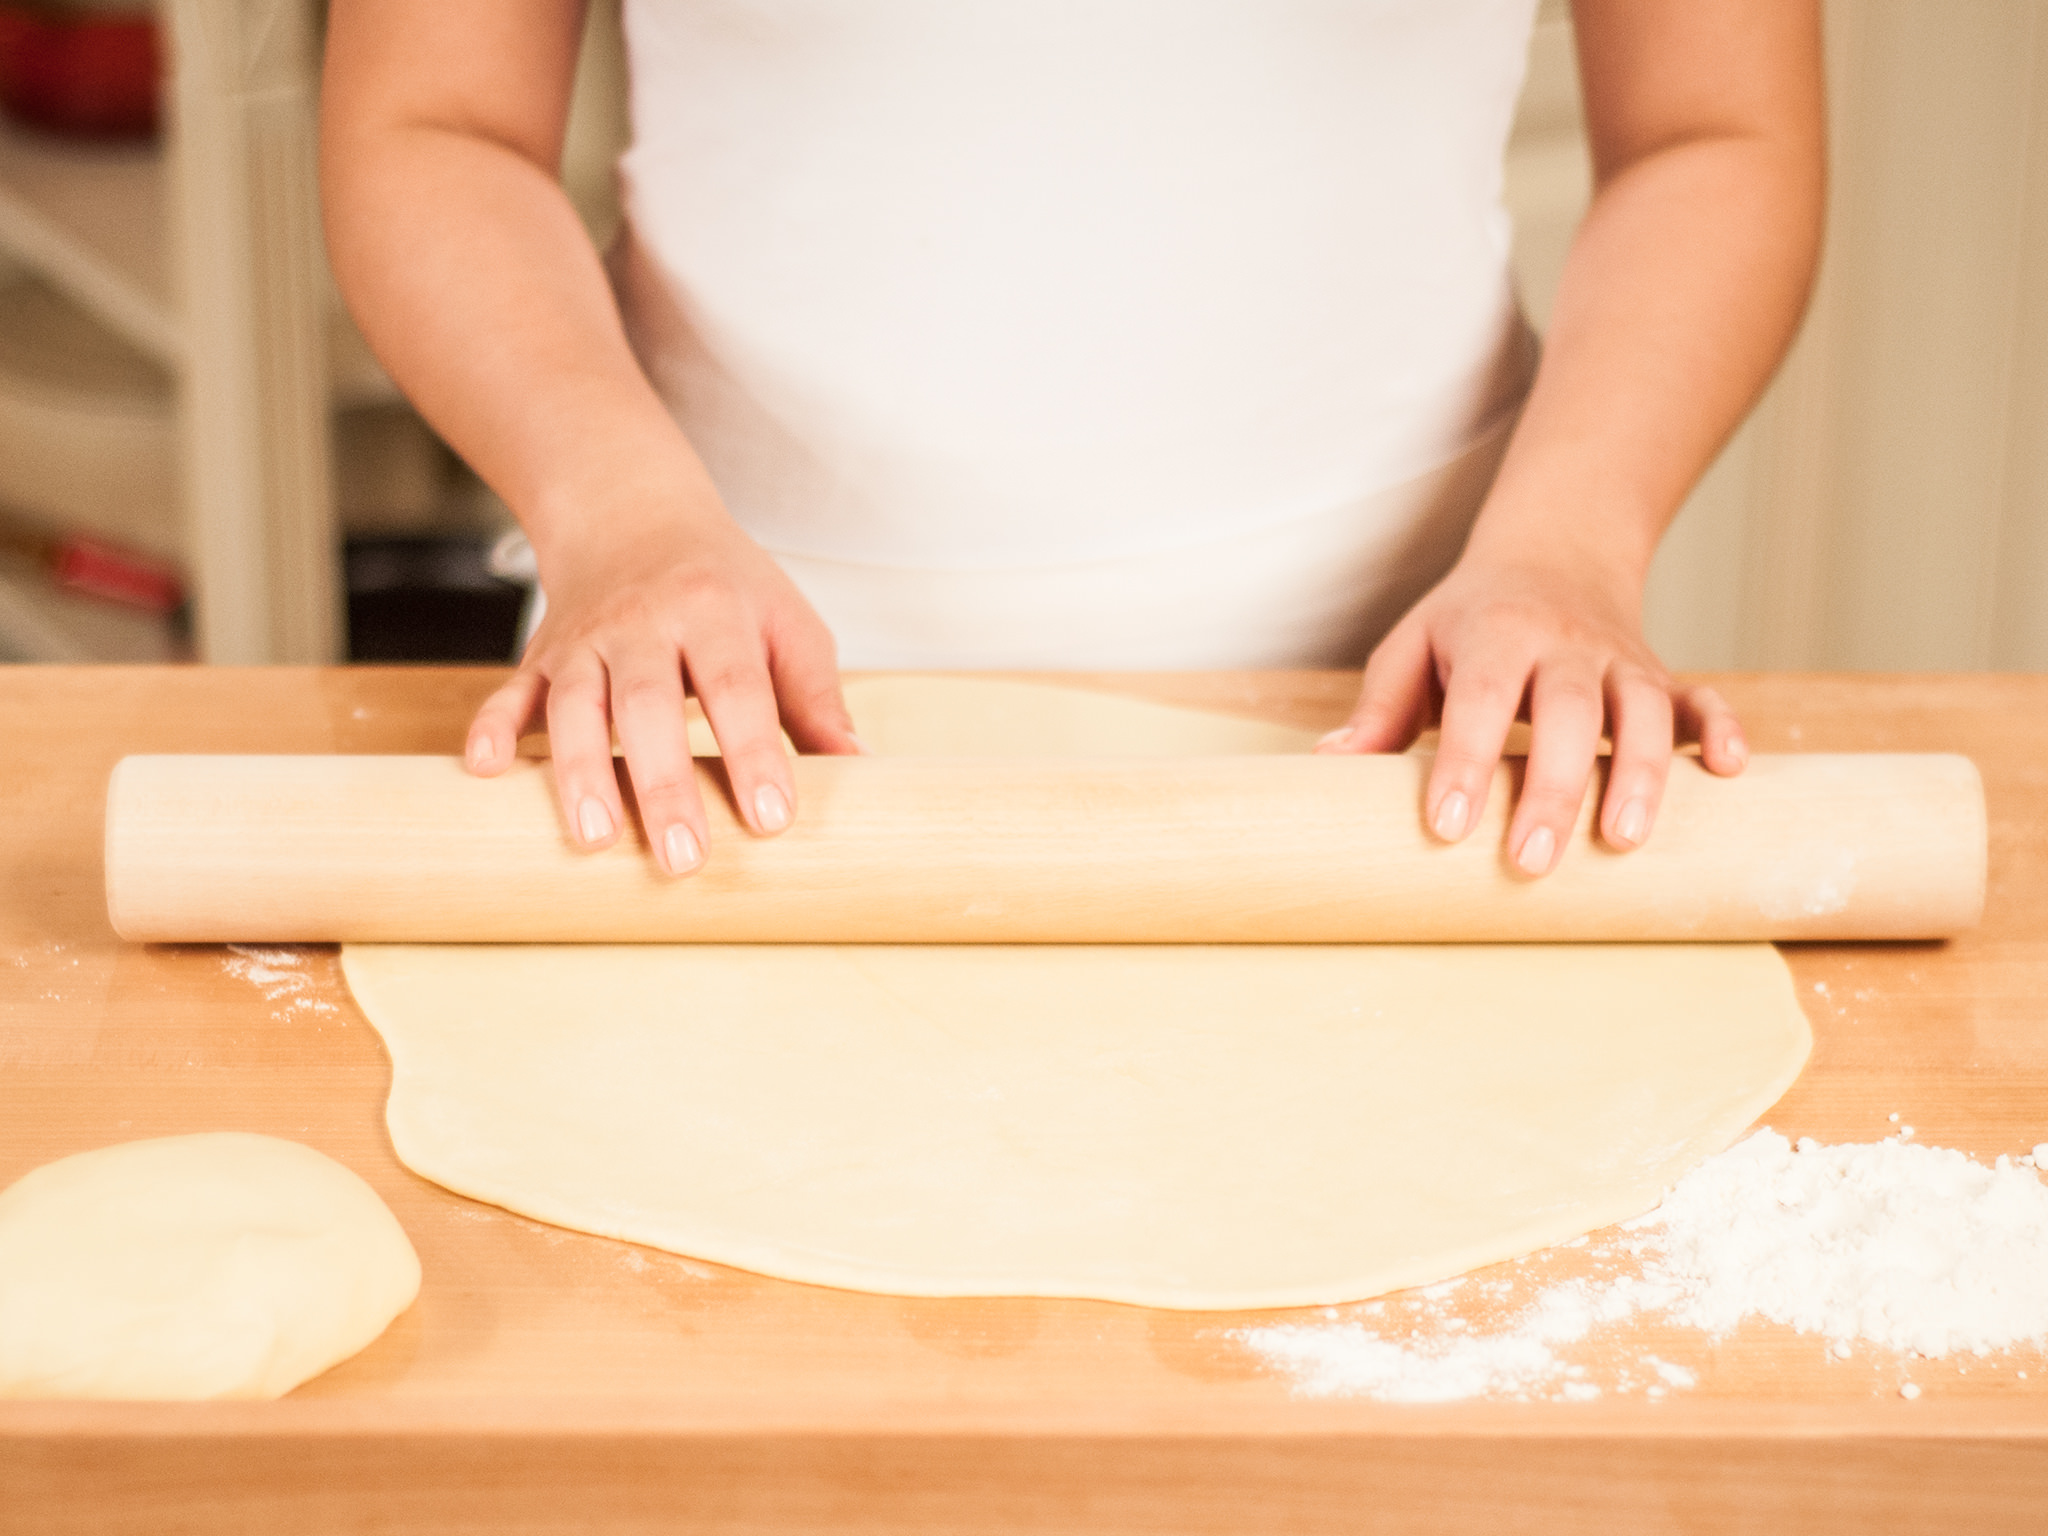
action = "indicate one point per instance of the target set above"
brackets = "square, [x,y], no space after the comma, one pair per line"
[90,218]
[38,623]
[88,431]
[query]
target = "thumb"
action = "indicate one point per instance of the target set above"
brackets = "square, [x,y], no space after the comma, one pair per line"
[805,672]
[1394,698]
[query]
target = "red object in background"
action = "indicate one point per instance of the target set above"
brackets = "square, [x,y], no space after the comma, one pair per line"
[87,75]
[93,567]
[115,575]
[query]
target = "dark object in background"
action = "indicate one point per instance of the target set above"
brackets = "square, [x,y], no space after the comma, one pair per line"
[429,600]
[87,74]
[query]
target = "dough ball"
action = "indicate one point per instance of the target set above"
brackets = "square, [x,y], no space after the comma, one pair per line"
[191,1267]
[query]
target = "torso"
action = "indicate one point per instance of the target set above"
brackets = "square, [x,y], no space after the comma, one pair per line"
[938,286]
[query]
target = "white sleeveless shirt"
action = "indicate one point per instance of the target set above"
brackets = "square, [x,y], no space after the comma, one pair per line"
[955,296]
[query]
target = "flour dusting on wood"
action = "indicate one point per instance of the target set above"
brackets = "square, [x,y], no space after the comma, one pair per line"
[280,974]
[1910,1250]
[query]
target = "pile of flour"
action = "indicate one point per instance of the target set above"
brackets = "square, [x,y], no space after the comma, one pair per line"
[1907,1248]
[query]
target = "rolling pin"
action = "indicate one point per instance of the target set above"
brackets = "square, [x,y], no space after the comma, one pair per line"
[925,850]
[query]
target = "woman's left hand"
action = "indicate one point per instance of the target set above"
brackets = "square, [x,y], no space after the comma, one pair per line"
[1707,124]
[1554,638]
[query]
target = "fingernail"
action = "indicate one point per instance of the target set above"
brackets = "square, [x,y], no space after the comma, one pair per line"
[771,808]
[1738,751]
[594,820]
[1629,825]
[864,748]
[680,845]
[479,753]
[1450,816]
[1337,738]
[1538,849]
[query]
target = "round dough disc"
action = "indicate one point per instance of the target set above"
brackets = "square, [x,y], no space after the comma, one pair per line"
[1176,1126]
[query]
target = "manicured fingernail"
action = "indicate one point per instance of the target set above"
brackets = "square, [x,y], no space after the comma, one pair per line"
[1337,738]
[479,752]
[1450,816]
[594,821]
[680,845]
[771,808]
[1630,824]
[1538,849]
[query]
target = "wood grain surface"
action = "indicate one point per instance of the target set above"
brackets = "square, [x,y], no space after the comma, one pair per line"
[549,1381]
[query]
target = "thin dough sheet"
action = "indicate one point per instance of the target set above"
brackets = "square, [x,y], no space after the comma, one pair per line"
[1171,1126]
[958,715]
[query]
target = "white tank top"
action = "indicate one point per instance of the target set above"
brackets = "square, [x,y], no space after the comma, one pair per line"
[982,285]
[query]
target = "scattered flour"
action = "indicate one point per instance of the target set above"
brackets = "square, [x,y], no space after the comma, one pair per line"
[280,973]
[1912,1249]
[1519,1360]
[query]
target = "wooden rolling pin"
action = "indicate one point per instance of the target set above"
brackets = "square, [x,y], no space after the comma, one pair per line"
[922,850]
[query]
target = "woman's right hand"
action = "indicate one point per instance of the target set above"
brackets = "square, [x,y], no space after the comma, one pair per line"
[471,275]
[655,609]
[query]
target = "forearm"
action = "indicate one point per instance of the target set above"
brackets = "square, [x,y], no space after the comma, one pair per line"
[1679,295]
[1681,292]
[479,290]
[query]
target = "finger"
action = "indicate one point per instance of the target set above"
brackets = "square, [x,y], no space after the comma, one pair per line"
[500,722]
[728,671]
[1481,698]
[647,707]
[1566,707]
[1704,717]
[803,664]
[1640,707]
[1393,697]
[580,742]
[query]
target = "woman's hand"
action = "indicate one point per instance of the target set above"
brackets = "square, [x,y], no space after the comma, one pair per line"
[441,136]
[1557,640]
[637,618]
[1684,284]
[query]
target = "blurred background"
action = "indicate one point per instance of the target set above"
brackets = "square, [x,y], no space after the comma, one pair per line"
[199,457]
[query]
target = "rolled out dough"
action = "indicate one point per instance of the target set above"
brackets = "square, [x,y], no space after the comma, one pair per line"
[191,1267]
[1196,1127]
[938,714]
[912,715]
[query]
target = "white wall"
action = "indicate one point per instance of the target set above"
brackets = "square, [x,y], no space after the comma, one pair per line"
[1887,505]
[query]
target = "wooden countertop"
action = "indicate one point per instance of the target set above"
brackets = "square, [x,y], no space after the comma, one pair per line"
[546,1380]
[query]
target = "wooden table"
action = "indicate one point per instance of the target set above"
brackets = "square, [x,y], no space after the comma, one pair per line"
[548,1381]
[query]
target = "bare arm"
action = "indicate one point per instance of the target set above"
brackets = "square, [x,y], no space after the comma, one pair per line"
[441,136]
[1682,290]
